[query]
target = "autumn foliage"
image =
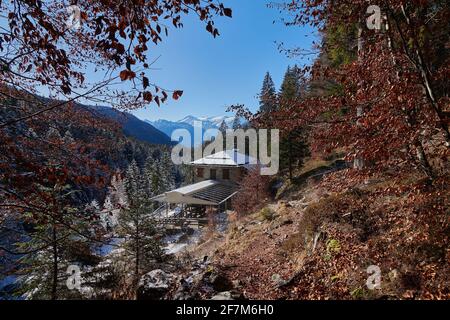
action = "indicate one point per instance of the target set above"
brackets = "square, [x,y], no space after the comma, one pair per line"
[381,96]
[253,192]
[54,43]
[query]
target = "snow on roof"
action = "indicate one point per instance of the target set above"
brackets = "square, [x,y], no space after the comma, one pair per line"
[226,158]
[209,192]
[195,187]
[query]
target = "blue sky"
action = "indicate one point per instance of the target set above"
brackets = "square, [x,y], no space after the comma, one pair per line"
[215,73]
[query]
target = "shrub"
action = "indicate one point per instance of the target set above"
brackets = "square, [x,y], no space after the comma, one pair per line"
[267,214]
[333,208]
[329,209]
[253,193]
[333,246]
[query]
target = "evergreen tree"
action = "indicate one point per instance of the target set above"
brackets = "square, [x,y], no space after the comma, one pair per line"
[293,146]
[158,175]
[167,172]
[268,95]
[57,240]
[136,225]
[236,123]
[132,183]
[293,149]
[292,87]
[153,177]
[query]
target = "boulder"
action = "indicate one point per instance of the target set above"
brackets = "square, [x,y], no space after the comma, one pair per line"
[154,285]
[226,295]
[237,283]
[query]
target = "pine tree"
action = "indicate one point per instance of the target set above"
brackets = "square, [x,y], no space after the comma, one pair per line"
[293,150]
[136,225]
[236,123]
[268,95]
[293,146]
[292,87]
[56,241]
[159,174]
[132,184]
[154,182]
[168,172]
[287,89]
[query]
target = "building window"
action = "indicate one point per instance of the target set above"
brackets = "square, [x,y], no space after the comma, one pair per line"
[200,172]
[226,174]
[213,174]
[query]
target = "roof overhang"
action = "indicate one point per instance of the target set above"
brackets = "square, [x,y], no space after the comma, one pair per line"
[209,192]
[227,158]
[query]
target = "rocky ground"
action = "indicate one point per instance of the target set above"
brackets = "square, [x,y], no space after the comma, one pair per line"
[246,262]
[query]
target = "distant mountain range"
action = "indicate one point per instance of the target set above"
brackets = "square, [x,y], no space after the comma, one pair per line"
[187,123]
[160,131]
[213,122]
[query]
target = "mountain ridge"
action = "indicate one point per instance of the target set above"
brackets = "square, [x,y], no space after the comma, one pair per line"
[133,126]
[187,123]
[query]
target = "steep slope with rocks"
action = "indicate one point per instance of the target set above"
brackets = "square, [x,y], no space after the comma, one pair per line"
[318,240]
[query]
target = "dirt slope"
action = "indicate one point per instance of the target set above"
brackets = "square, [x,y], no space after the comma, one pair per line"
[319,242]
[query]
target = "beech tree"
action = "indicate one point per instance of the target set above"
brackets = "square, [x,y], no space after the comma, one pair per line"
[53,44]
[253,192]
[390,102]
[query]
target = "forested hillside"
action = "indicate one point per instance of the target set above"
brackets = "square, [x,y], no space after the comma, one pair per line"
[62,185]
[376,100]
[90,204]
[132,126]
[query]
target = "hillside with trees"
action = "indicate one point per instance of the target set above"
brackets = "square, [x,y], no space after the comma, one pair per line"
[62,192]
[374,192]
[358,210]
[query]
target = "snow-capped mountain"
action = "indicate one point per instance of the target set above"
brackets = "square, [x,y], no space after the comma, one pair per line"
[209,121]
[187,123]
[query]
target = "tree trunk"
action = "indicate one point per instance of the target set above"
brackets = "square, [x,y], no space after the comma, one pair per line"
[423,160]
[137,254]
[420,152]
[358,163]
[290,156]
[419,65]
[55,263]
